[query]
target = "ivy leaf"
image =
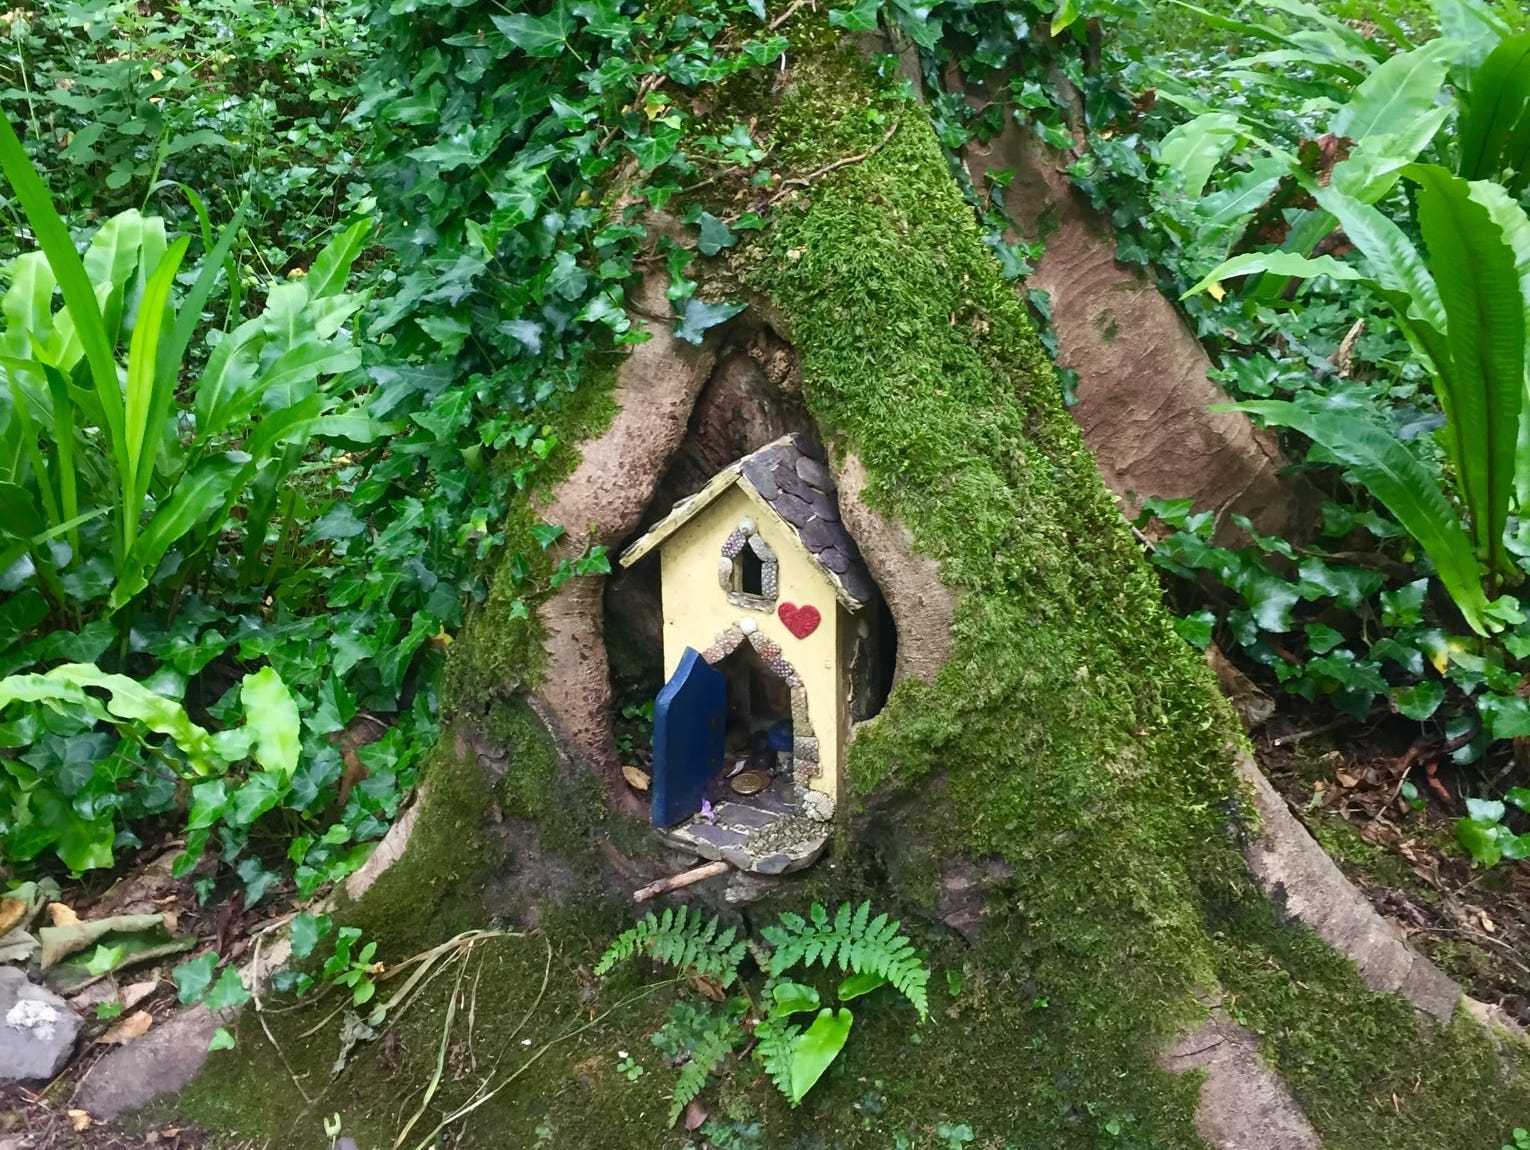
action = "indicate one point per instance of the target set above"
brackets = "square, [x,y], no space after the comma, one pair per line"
[1196,629]
[715,235]
[546,534]
[1404,606]
[228,992]
[657,147]
[1480,840]
[257,879]
[1420,700]
[860,18]
[193,978]
[697,316]
[1505,716]
[1323,638]
[1067,13]
[538,36]
[256,797]
[1346,585]
[307,930]
[221,1040]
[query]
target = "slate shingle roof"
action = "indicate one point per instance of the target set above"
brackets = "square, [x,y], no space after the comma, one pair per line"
[794,482]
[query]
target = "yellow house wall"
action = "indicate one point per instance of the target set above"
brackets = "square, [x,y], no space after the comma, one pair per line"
[697,611]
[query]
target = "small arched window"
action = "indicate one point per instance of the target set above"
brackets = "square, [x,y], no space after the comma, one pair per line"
[751,572]
[747,570]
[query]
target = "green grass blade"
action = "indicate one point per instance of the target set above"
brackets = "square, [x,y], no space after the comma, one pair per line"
[1483,384]
[200,491]
[148,394]
[79,297]
[1499,90]
[174,349]
[1396,478]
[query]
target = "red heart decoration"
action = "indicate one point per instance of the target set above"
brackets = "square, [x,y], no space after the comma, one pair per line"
[800,621]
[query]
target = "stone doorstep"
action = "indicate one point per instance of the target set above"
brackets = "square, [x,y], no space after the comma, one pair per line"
[730,836]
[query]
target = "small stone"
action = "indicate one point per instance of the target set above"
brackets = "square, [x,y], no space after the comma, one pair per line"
[761,548]
[736,816]
[734,544]
[779,665]
[748,626]
[815,474]
[737,856]
[817,805]
[37,1029]
[725,573]
[746,526]
[805,749]
[768,648]
[707,840]
[819,535]
[790,483]
[772,864]
[743,887]
[770,580]
[857,584]
[832,558]
[825,506]
[792,509]
[761,479]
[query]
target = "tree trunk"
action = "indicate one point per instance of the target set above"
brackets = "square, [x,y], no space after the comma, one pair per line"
[1055,800]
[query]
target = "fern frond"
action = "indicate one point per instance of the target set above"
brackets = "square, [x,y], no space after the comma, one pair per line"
[686,940]
[773,1049]
[855,942]
[715,1045]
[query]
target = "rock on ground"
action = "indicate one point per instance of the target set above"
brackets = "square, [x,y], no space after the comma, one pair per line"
[38,1030]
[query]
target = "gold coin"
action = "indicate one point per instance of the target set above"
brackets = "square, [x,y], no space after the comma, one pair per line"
[748,782]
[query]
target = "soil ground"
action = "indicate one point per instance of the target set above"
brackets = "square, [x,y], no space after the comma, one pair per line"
[1346,784]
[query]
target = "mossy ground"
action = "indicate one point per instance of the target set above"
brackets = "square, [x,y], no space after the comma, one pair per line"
[1071,733]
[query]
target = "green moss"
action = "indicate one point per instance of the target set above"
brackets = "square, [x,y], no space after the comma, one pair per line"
[1363,1068]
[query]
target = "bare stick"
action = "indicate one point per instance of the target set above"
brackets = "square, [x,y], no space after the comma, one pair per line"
[813,176]
[676,881]
[255,976]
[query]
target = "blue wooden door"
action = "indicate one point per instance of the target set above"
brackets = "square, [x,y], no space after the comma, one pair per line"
[688,719]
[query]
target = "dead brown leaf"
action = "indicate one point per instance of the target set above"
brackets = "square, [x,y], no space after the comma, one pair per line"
[134,994]
[79,1119]
[61,915]
[134,1025]
[12,912]
[636,779]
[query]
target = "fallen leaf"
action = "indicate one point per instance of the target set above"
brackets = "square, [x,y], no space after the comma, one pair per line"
[636,779]
[137,992]
[1346,779]
[61,915]
[12,912]
[1487,923]
[135,1025]
[79,1119]
[695,1114]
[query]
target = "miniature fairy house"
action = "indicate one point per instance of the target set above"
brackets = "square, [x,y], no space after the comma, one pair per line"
[768,640]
